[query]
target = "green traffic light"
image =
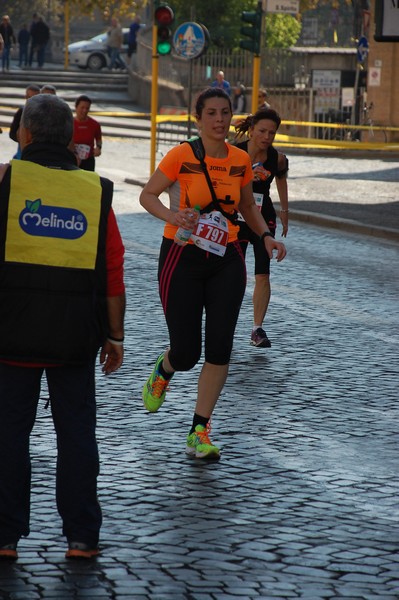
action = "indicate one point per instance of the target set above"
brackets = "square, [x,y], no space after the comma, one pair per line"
[164,47]
[163,18]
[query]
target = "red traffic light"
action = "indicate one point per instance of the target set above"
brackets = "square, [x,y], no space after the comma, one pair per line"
[164,15]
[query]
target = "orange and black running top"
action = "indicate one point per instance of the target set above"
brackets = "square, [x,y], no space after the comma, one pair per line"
[190,188]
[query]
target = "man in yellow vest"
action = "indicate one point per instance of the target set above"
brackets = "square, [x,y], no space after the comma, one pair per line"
[62,301]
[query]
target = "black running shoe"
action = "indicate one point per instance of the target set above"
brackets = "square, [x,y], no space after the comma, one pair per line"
[260,339]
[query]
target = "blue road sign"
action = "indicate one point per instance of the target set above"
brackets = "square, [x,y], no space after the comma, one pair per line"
[362,49]
[189,40]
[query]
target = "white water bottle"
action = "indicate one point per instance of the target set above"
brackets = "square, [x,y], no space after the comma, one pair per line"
[182,235]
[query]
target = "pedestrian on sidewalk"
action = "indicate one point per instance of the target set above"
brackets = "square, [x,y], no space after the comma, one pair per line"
[62,289]
[33,48]
[40,36]
[239,99]
[23,42]
[268,164]
[221,83]
[31,90]
[114,45]
[204,276]
[7,34]
[132,40]
[87,136]
[262,102]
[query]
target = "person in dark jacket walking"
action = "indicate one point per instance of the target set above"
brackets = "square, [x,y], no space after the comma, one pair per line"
[23,42]
[7,33]
[62,289]
[132,39]
[40,35]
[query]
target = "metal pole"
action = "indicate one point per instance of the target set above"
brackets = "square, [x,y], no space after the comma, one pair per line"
[66,33]
[255,83]
[310,115]
[190,80]
[355,98]
[256,64]
[190,89]
[358,34]
[154,97]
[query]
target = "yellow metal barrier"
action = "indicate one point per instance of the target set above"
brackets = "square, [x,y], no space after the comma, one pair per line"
[287,140]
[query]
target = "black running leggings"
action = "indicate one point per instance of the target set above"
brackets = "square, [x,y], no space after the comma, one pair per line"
[192,281]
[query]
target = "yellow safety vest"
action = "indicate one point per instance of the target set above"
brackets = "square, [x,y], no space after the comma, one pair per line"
[53,216]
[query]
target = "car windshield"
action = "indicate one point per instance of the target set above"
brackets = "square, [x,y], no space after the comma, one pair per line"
[99,38]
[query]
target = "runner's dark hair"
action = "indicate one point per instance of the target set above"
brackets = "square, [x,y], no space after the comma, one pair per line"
[207,93]
[82,98]
[242,127]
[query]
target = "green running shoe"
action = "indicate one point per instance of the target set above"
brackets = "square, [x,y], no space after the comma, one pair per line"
[199,444]
[155,388]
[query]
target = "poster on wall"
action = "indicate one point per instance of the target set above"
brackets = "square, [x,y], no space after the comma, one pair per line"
[387,21]
[327,84]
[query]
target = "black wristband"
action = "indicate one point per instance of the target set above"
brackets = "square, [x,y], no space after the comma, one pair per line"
[113,339]
[265,234]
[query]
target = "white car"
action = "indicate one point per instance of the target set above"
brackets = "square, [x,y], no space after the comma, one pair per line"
[92,53]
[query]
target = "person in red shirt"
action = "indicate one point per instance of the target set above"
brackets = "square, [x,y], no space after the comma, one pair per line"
[87,137]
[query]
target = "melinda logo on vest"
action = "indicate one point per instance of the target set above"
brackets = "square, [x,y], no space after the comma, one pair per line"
[52,221]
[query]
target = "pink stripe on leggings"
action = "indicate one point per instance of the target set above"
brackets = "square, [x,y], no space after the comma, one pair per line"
[167,271]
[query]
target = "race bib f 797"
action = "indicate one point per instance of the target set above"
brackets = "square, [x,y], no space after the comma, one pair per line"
[212,233]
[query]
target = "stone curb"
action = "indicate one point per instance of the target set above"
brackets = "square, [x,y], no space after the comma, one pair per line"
[348,225]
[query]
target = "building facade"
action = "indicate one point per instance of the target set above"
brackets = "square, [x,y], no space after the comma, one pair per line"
[383,78]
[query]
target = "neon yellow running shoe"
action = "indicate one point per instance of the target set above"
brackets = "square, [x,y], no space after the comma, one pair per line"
[155,388]
[199,444]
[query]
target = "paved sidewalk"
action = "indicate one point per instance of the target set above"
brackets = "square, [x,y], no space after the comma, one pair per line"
[303,503]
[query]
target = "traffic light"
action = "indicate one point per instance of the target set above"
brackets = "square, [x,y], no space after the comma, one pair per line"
[164,17]
[253,31]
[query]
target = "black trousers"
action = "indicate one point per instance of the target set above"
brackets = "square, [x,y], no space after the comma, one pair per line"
[193,282]
[88,164]
[73,408]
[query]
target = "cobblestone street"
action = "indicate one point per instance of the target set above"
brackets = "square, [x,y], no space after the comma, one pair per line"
[304,501]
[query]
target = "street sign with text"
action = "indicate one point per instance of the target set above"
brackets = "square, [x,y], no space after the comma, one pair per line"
[282,6]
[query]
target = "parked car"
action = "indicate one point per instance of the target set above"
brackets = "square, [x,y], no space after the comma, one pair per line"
[92,53]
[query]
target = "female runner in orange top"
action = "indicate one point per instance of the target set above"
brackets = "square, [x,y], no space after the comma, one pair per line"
[208,275]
